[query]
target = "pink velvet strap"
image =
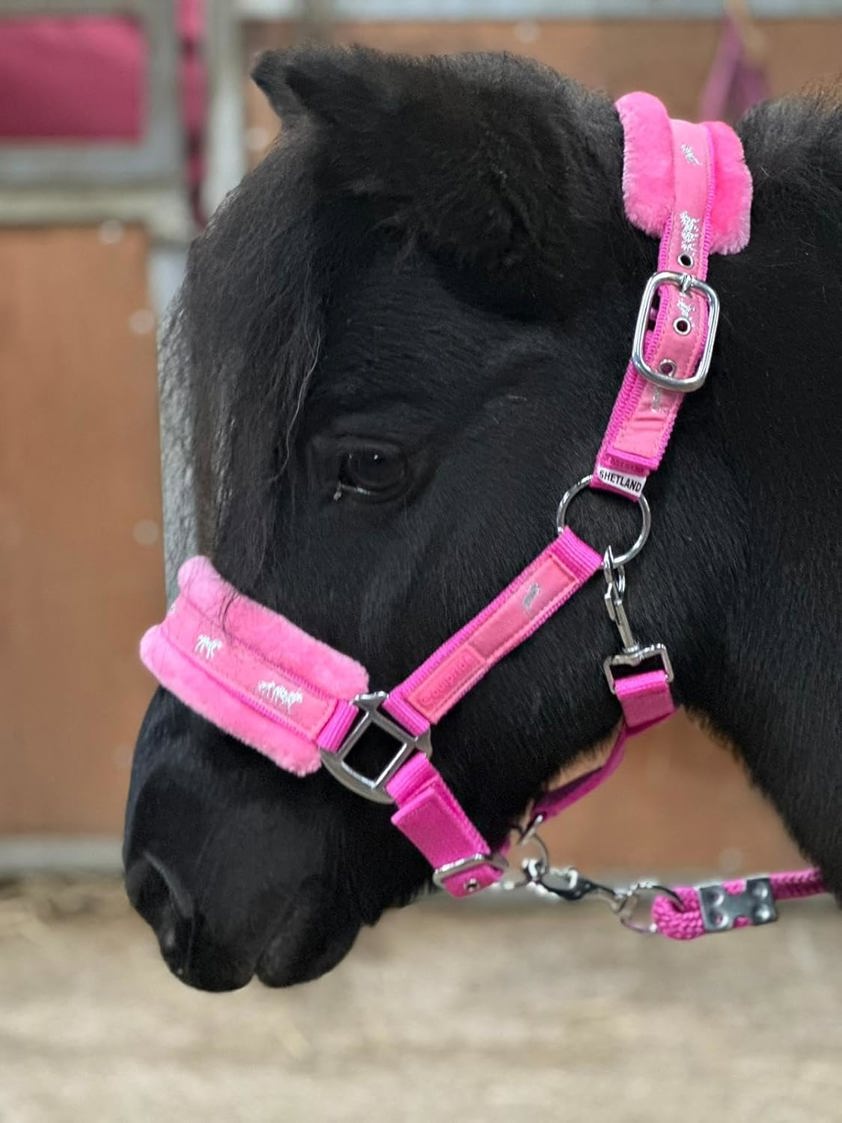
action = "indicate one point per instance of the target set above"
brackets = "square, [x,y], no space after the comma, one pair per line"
[528,602]
[683,919]
[688,185]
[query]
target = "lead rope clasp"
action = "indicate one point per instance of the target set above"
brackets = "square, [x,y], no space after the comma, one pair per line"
[570,886]
[633,652]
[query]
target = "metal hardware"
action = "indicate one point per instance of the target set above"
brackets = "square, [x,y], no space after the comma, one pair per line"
[634,659]
[639,893]
[682,325]
[721,908]
[686,260]
[634,653]
[527,858]
[615,581]
[686,283]
[462,865]
[568,885]
[572,886]
[374,788]
[645,514]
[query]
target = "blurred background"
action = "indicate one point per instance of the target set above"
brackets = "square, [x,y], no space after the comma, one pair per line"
[122,125]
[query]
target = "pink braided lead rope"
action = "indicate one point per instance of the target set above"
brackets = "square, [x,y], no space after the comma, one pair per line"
[731,904]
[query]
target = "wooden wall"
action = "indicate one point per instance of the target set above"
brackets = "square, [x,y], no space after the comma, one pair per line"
[80,514]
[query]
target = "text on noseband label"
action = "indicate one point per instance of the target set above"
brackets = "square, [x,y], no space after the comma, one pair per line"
[621,481]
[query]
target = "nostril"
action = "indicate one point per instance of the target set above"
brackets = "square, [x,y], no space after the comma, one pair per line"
[173,886]
[163,902]
[187,946]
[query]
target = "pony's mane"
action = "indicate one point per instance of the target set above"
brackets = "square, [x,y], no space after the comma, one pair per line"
[794,145]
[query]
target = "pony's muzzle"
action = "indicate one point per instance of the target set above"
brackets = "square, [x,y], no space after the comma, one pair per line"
[162,900]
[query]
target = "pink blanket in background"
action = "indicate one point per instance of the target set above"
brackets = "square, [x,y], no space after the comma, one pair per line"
[85,78]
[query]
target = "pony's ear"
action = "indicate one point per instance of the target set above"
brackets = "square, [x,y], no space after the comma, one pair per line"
[478,155]
[337,85]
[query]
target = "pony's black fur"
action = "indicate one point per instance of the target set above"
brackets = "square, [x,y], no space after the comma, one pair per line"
[434,262]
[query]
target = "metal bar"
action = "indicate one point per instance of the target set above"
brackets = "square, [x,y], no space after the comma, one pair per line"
[164,212]
[28,854]
[432,11]
[225,152]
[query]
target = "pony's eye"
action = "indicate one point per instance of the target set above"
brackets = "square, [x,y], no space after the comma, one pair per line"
[376,472]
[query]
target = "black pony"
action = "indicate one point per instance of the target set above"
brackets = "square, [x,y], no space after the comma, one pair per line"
[397,343]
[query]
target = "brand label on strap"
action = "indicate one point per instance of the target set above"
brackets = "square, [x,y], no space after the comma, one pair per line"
[620,481]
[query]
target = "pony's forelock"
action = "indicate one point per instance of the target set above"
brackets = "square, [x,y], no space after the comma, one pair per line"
[239,350]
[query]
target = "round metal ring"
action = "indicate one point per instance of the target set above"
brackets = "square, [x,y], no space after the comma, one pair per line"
[645,514]
[627,910]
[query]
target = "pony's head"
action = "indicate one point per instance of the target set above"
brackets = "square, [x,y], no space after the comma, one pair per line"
[396,345]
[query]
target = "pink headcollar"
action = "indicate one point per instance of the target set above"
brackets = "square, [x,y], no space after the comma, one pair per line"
[272,686]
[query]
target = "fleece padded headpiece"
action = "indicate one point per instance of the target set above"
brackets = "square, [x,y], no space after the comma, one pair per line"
[249,670]
[650,173]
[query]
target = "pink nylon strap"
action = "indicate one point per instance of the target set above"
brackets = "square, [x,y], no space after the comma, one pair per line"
[427,811]
[684,920]
[646,700]
[433,821]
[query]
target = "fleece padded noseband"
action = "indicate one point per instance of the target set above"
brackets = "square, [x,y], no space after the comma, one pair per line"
[249,670]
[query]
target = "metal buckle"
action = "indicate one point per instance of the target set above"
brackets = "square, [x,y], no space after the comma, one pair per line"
[686,283]
[462,865]
[366,786]
[720,908]
[634,658]
[645,515]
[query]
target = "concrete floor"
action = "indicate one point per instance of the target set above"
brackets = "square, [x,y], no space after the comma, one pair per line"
[479,1013]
